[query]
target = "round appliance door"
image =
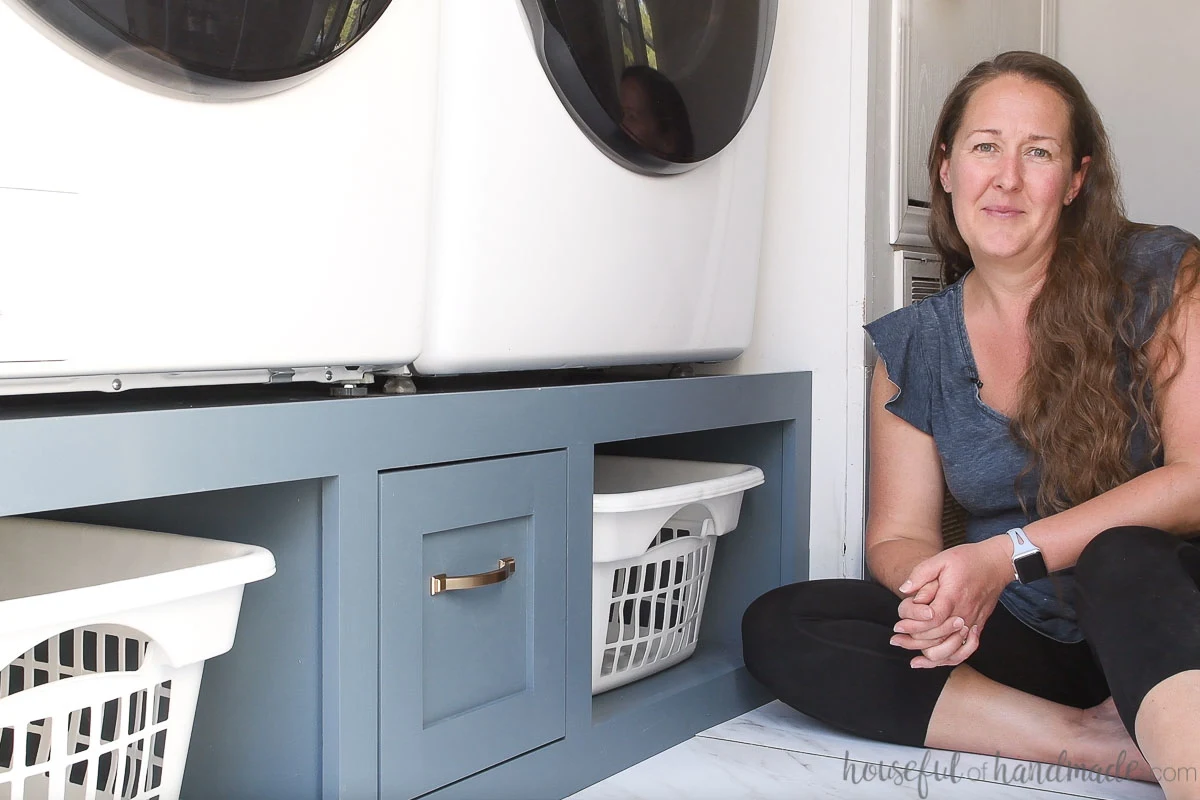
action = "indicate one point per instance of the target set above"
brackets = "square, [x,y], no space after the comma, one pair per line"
[213,48]
[658,85]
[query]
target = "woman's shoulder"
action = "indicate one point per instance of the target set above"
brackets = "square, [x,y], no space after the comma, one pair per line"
[1150,251]
[1151,237]
[914,341]
[1150,258]
[909,341]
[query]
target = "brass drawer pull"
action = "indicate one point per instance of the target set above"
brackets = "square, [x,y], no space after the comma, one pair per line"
[442,583]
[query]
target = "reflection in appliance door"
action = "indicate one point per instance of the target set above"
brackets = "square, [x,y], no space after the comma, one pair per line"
[253,37]
[678,79]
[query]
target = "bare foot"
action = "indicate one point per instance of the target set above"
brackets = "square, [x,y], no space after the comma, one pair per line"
[1107,746]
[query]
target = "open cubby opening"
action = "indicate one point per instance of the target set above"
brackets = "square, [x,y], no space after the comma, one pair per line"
[746,562]
[259,704]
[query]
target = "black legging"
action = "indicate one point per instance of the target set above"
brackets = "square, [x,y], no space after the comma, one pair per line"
[822,646]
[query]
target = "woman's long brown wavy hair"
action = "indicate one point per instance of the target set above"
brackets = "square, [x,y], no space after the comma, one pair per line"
[1077,413]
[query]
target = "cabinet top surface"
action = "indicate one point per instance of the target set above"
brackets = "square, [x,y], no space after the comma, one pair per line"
[316,397]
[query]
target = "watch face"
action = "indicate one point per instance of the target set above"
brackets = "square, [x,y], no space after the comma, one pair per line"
[1030,567]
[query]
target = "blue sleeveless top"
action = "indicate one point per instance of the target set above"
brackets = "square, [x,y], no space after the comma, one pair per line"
[928,355]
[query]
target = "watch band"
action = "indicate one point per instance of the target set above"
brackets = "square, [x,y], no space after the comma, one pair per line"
[1028,564]
[1021,543]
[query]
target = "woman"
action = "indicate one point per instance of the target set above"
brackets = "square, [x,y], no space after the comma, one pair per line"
[654,115]
[1050,387]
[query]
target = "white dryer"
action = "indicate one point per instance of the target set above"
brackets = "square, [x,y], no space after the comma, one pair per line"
[212,191]
[599,179]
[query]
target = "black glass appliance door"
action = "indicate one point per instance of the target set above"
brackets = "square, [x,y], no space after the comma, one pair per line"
[659,85]
[214,47]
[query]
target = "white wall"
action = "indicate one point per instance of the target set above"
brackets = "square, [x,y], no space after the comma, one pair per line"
[811,289]
[1140,63]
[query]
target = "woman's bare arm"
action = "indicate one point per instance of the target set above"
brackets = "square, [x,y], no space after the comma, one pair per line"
[906,490]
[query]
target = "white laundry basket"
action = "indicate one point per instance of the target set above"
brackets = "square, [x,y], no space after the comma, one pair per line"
[103,634]
[655,524]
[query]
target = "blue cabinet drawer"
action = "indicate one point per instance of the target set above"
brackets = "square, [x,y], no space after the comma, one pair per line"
[470,677]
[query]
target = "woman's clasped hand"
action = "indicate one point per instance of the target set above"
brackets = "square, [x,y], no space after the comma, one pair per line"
[948,599]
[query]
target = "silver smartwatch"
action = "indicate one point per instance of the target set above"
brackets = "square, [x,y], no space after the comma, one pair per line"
[1028,564]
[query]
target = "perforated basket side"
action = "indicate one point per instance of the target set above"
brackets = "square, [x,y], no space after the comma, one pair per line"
[95,713]
[646,611]
[185,631]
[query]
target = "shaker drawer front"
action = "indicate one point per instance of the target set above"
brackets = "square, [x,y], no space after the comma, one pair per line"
[475,641]
[473,674]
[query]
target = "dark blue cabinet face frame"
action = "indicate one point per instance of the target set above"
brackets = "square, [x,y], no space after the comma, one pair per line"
[299,708]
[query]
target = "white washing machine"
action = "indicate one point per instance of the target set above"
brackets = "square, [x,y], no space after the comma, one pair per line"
[599,180]
[212,191]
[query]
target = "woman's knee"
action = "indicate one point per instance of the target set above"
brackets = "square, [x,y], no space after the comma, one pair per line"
[760,624]
[775,623]
[1115,556]
[772,615]
[823,648]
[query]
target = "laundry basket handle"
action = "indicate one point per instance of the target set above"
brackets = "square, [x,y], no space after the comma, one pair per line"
[443,583]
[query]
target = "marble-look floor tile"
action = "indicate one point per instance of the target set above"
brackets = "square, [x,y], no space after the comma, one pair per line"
[705,768]
[778,726]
